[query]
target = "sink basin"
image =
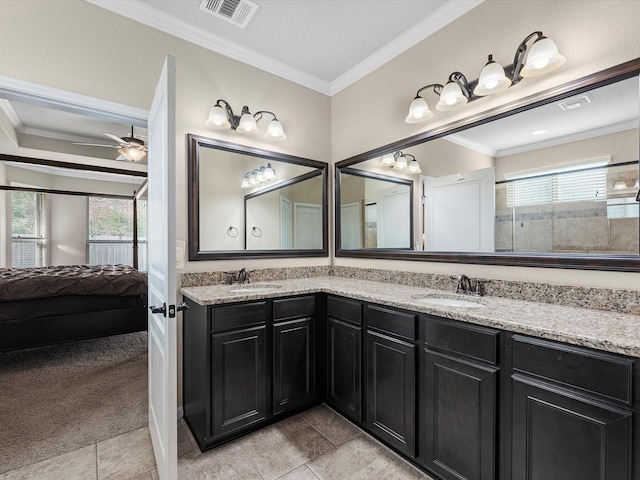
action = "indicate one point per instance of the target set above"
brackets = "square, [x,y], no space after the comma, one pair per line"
[449,301]
[252,288]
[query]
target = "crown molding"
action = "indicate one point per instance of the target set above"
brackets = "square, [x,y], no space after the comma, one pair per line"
[446,14]
[470,144]
[159,20]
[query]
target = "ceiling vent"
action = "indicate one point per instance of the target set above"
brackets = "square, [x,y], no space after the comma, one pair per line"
[575,102]
[238,12]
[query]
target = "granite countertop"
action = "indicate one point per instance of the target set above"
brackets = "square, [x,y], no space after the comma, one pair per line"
[602,330]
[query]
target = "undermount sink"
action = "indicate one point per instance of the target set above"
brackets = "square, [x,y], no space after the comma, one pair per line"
[439,300]
[252,288]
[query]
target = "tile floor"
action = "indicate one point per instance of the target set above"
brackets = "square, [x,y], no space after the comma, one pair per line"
[315,445]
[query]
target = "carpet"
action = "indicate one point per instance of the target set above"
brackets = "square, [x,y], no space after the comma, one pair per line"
[59,398]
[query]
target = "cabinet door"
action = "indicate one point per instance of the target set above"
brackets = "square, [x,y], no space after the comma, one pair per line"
[558,435]
[344,391]
[239,379]
[459,410]
[391,391]
[293,364]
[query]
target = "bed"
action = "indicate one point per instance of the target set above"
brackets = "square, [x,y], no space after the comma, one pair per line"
[41,306]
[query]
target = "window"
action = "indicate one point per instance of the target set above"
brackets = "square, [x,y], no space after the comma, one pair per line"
[576,186]
[110,239]
[28,229]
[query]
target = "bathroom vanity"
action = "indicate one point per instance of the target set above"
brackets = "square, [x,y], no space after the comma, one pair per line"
[489,388]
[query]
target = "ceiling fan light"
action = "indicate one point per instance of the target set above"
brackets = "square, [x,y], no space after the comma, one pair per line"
[414,167]
[451,97]
[418,111]
[275,131]
[542,58]
[132,154]
[247,124]
[218,118]
[492,80]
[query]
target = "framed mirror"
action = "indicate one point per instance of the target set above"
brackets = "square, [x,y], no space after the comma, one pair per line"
[550,180]
[246,202]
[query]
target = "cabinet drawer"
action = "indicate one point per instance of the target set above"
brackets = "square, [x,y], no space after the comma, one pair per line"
[294,307]
[596,372]
[343,309]
[392,321]
[238,316]
[473,341]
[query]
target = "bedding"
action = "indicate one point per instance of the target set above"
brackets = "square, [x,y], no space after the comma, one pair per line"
[40,306]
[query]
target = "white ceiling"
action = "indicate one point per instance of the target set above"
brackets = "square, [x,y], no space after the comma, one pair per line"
[325,45]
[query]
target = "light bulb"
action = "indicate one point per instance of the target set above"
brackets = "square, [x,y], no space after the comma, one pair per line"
[414,167]
[217,118]
[269,172]
[247,124]
[275,131]
[401,162]
[418,111]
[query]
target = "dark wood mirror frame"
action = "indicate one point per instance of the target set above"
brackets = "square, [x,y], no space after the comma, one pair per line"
[626,263]
[194,144]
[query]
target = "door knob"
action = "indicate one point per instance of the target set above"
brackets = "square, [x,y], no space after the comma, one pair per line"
[162,309]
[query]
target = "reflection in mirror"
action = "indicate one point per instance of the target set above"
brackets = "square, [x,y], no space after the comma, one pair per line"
[286,215]
[375,210]
[60,215]
[246,202]
[557,181]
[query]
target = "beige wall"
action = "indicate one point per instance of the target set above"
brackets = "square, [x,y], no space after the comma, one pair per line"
[75,46]
[591,34]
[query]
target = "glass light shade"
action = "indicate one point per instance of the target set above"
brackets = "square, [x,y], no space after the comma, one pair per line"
[247,124]
[620,185]
[492,80]
[451,97]
[401,162]
[275,131]
[245,182]
[132,154]
[260,175]
[418,111]
[388,160]
[253,177]
[542,58]
[414,167]
[218,118]
[269,172]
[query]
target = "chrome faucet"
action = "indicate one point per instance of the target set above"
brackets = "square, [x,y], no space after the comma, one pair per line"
[470,286]
[464,284]
[243,276]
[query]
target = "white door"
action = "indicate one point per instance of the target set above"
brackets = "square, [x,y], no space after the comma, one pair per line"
[161,256]
[307,224]
[350,226]
[286,220]
[393,216]
[460,212]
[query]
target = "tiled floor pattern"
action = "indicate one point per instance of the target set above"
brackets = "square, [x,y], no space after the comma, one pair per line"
[315,445]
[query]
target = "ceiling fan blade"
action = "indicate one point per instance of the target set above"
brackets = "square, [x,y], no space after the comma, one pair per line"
[97,145]
[113,137]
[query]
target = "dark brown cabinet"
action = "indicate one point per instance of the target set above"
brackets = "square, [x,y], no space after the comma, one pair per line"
[344,356]
[293,364]
[239,382]
[572,413]
[459,399]
[391,377]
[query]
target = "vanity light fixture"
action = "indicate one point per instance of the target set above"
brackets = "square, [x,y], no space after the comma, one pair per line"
[400,161]
[258,176]
[541,58]
[221,117]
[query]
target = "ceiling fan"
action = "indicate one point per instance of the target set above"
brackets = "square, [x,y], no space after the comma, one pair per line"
[130,148]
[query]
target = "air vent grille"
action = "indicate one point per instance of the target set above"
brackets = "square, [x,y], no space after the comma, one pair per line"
[238,12]
[575,102]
